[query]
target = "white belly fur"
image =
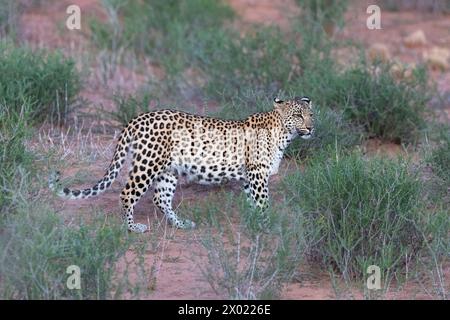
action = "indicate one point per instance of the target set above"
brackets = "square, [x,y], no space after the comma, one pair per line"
[276,163]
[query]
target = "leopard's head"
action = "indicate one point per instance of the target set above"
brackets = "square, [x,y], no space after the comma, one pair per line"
[297,116]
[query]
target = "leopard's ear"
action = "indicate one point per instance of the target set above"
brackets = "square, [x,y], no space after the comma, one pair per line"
[277,100]
[277,103]
[304,99]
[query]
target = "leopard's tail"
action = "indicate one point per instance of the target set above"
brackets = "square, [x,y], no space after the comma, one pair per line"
[120,154]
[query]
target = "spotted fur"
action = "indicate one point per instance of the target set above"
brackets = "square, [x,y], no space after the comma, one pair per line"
[166,144]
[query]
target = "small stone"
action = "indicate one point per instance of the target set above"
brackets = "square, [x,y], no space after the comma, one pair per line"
[415,39]
[401,71]
[437,58]
[379,51]
[397,71]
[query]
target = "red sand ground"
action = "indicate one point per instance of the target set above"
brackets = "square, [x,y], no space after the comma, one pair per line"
[178,273]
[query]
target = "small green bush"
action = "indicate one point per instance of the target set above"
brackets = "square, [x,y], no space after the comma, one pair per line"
[37,248]
[47,82]
[440,156]
[126,107]
[323,13]
[358,213]
[246,103]
[387,108]
[15,161]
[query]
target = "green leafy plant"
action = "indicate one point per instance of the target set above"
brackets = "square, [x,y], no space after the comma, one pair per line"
[359,212]
[127,107]
[15,160]
[440,156]
[47,82]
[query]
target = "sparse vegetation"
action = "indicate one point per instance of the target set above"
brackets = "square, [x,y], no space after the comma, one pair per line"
[437,159]
[245,263]
[339,211]
[37,245]
[31,85]
[168,31]
[36,268]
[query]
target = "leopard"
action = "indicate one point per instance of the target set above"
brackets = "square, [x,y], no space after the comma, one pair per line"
[168,144]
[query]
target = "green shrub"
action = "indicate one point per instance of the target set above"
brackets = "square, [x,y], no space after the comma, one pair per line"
[37,248]
[387,108]
[15,161]
[127,107]
[246,103]
[324,14]
[33,86]
[47,82]
[359,213]
[440,156]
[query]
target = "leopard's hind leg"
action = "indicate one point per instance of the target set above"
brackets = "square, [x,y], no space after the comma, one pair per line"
[165,186]
[140,180]
[133,191]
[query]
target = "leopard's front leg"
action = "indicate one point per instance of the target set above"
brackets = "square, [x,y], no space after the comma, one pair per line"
[257,189]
